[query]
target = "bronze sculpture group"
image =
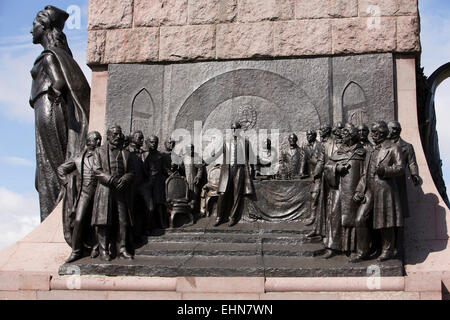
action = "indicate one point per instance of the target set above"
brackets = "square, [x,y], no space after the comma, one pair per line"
[117,193]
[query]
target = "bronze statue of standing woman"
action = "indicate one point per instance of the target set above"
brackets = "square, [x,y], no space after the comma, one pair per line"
[60,97]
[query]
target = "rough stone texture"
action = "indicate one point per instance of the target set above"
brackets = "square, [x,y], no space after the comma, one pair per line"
[255,10]
[407,7]
[250,28]
[96,47]
[296,38]
[211,11]
[372,8]
[305,9]
[110,14]
[132,45]
[244,40]
[355,35]
[152,13]
[378,8]
[188,42]
[408,34]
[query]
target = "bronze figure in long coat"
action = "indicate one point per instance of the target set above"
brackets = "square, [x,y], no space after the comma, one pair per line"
[114,170]
[235,179]
[342,173]
[82,166]
[312,163]
[409,163]
[378,192]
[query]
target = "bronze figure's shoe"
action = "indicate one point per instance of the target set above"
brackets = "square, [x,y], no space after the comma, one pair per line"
[357,259]
[105,257]
[94,253]
[310,221]
[125,255]
[232,223]
[385,256]
[74,257]
[218,223]
[329,254]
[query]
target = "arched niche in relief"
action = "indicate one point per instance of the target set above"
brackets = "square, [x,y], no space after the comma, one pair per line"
[260,99]
[354,104]
[142,112]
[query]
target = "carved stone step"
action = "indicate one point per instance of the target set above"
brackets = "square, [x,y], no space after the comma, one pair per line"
[235,238]
[214,266]
[225,249]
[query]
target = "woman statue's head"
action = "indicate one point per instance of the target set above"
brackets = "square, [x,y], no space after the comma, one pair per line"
[48,26]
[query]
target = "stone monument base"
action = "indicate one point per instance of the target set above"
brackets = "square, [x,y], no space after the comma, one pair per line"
[258,249]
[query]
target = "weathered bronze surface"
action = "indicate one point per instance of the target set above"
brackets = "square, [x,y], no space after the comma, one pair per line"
[60,97]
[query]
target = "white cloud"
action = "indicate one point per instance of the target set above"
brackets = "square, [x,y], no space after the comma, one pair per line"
[16,161]
[19,215]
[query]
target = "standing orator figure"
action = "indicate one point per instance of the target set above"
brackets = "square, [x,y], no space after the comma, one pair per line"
[60,96]
[83,164]
[235,180]
[378,195]
[111,215]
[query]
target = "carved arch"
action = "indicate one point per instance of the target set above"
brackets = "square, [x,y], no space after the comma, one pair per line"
[142,112]
[356,112]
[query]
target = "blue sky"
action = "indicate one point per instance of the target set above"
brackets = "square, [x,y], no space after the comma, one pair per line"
[19,210]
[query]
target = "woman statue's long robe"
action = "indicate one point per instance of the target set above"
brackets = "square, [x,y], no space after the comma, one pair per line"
[61,126]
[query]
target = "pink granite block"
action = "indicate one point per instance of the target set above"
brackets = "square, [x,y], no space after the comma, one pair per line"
[233,40]
[333,284]
[140,295]
[110,14]
[220,296]
[423,282]
[132,45]
[255,10]
[95,47]
[357,35]
[431,296]
[306,9]
[97,283]
[422,222]
[305,37]
[406,74]
[408,34]
[188,43]
[220,285]
[154,13]
[38,257]
[371,8]
[379,295]
[72,295]
[211,11]
[407,7]
[427,256]
[98,101]
[11,281]
[18,295]
[300,296]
